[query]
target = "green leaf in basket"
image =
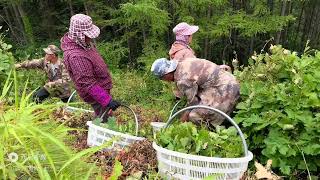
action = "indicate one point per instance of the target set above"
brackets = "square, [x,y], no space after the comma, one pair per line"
[212,177]
[97,121]
[187,138]
[112,123]
[198,145]
[170,146]
[184,142]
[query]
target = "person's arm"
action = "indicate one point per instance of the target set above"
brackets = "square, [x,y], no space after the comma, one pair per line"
[190,90]
[63,81]
[82,71]
[32,64]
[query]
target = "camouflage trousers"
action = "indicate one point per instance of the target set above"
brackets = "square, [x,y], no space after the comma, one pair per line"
[223,98]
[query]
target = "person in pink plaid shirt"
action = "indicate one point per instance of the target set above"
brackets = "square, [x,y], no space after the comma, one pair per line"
[85,65]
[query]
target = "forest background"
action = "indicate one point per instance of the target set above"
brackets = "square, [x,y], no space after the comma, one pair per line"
[137,31]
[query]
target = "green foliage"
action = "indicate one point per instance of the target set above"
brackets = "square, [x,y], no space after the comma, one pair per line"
[113,125]
[247,24]
[113,53]
[134,87]
[279,108]
[187,138]
[34,144]
[145,16]
[6,60]
[117,170]
[28,29]
[142,26]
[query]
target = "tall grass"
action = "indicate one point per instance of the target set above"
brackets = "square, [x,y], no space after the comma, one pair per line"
[141,89]
[33,146]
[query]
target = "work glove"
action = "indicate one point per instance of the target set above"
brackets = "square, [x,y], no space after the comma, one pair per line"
[113,104]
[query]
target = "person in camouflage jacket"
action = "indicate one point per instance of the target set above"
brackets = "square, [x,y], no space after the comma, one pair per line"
[58,78]
[203,83]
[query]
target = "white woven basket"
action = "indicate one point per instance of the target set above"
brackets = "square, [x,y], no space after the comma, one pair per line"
[98,135]
[176,165]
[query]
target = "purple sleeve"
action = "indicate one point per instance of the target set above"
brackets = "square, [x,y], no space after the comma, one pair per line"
[100,95]
[85,80]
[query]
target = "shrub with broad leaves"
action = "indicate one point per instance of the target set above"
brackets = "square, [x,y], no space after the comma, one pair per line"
[279,109]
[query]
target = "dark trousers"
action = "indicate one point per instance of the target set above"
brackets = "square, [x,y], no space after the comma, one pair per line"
[41,94]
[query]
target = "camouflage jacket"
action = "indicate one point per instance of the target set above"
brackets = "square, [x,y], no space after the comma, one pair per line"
[58,83]
[194,77]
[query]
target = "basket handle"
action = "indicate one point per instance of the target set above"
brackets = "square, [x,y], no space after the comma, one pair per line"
[134,114]
[174,108]
[75,108]
[70,97]
[244,143]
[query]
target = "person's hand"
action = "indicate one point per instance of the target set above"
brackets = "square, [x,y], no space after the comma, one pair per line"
[113,105]
[49,85]
[17,66]
[225,67]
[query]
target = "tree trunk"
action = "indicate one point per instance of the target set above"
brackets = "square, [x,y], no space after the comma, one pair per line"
[313,26]
[171,12]
[48,21]
[305,27]
[70,7]
[311,20]
[271,5]
[283,11]
[300,20]
[251,45]
[206,40]
[86,8]
[26,23]
[285,32]
[19,22]
[144,34]
[9,23]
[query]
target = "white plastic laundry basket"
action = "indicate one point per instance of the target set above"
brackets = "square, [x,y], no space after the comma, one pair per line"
[176,165]
[97,135]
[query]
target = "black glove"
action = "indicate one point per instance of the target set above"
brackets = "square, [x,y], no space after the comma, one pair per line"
[113,105]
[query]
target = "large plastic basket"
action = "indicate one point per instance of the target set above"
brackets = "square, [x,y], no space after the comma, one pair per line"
[97,135]
[176,165]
